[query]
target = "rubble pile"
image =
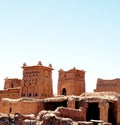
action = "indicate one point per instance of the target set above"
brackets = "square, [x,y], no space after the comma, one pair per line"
[43,118]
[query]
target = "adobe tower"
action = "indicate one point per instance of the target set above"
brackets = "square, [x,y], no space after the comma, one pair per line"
[37,81]
[12,83]
[71,82]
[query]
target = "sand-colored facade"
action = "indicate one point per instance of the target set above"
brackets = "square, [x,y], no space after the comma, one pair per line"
[34,93]
[104,106]
[37,83]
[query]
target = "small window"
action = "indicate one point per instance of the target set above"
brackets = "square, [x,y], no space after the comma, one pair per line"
[10,110]
[64,91]
[29,94]
[12,85]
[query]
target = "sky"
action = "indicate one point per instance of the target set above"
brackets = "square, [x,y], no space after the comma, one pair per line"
[66,33]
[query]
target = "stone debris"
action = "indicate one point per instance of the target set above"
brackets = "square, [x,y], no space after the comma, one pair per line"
[85,123]
[43,118]
[29,122]
[52,119]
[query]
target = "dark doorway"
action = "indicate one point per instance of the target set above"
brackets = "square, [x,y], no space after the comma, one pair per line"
[64,91]
[112,113]
[93,112]
[77,104]
[10,110]
[30,94]
[53,105]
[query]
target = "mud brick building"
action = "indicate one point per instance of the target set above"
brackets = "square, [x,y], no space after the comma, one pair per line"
[71,82]
[101,105]
[37,81]
[108,85]
[12,88]
[12,83]
[34,93]
[104,106]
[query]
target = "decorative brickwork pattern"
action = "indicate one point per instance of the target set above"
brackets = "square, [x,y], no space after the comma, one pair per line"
[37,81]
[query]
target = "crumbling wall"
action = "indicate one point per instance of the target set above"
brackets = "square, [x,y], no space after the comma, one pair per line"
[7,106]
[23,106]
[74,114]
[108,85]
[29,107]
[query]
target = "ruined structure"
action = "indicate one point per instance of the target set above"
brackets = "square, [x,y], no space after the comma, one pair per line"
[34,95]
[104,106]
[108,85]
[21,105]
[71,82]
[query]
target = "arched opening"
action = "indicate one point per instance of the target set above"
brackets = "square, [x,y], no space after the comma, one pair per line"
[64,91]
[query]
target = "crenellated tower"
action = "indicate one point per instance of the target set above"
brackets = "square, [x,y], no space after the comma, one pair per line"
[71,82]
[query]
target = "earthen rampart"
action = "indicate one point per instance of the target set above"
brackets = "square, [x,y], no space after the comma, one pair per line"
[108,85]
[74,114]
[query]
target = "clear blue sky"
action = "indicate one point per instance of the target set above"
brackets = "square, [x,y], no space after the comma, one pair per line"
[67,33]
